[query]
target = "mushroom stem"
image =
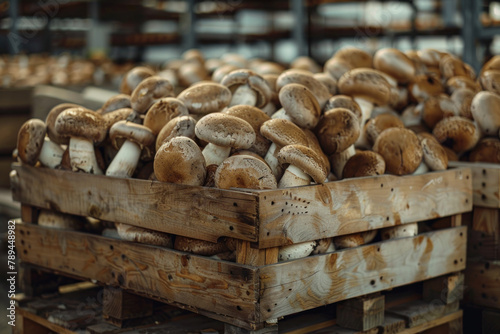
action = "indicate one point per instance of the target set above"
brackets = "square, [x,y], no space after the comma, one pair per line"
[244,95]
[294,177]
[272,160]
[125,161]
[82,155]
[215,154]
[338,161]
[366,112]
[422,169]
[281,114]
[51,154]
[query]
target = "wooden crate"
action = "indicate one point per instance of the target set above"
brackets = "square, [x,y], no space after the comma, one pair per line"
[256,289]
[82,307]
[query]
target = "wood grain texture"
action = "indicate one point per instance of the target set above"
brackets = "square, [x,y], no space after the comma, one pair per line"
[119,305]
[485,182]
[301,214]
[392,324]
[362,313]
[196,212]
[293,286]
[435,323]
[484,235]
[34,324]
[482,281]
[421,312]
[449,289]
[199,284]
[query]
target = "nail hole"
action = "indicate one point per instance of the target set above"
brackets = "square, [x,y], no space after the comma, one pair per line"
[235,204]
[231,228]
[111,247]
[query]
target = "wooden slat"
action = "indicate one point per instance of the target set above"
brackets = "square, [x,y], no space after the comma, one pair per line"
[484,236]
[443,320]
[196,212]
[491,322]
[485,182]
[199,284]
[300,214]
[294,286]
[38,322]
[482,281]
[421,312]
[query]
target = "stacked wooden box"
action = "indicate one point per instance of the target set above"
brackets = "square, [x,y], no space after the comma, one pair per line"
[251,294]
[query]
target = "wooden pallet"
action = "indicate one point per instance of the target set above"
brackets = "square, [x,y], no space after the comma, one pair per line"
[82,308]
[256,290]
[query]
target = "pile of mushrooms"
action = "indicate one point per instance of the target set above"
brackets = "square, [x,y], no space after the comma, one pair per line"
[238,123]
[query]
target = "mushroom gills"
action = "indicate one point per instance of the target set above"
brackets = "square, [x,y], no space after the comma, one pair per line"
[82,156]
[125,161]
[244,95]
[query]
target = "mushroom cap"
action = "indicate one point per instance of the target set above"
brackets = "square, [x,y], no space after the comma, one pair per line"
[313,143]
[136,133]
[337,67]
[305,159]
[450,66]
[133,78]
[300,104]
[375,126]
[401,150]
[116,102]
[463,99]
[205,98]
[225,130]
[305,63]
[490,80]
[180,161]
[255,117]
[222,71]
[487,150]
[328,81]
[193,55]
[457,82]
[395,63]
[367,84]
[144,236]
[354,240]
[234,59]
[424,86]
[191,73]
[244,171]
[343,101]
[269,67]
[492,64]
[200,247]
[81,122]
[295,76]
[437,107]
[240,77]
[250,153]
[30,140]
[435,156]
[118,115]
[485,109]
[364,163]
[337,129]
[283,132]
[458,133]
[430,57]
[354,56]
[50,121]
[162,112]
[176,127]
[148,91]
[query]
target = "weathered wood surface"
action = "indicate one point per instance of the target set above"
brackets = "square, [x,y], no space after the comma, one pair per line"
[269,218]
[484,234]
[354,205]
[197,212]
[362,313]
[293,286]
[447,319]
[448,289]
[193,282]
[482,281]
[421,312]
[491,322]
[485,182]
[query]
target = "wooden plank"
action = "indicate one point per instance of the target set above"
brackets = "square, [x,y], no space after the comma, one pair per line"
[448,289]
[485,182]
[230,329]
[362,313]
[392,324]
[120,305]
[484,236]
[196,212]
[437,322]
[341,330]
[293,286]
[42,322]
[421,312]
[348,206]
[202,285]
[491,322]
[482,279]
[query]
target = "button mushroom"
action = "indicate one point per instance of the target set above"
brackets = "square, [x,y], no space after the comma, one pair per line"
[485,109]
[300,105]
[303,165]
[205,98]
[33,146]
[244,171]
[458,133]
[162,112]
[176,127]
[487,150]
[364,163]
[395,63]
[133,78]
[247,87]
[319,91]
[148,92]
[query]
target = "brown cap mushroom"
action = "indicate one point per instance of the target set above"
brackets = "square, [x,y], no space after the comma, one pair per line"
[364,163]
[435,108]
[337,129]
[375,126]
[450,66]
[458,133]
[85,128]
[424,86]
[244,171]
[223,132]
[490,80]
[135,138]
[200,247]
[191,73]
[305,63]
[205,98]
[144,236]
[300,104]
[255,117]
[116,102]
[303,164]
[347,59]
[119,115]
[247,87]
[50,121]
[401,150]
[319,91]
[487,150]
[463,99]
[222,71]
[30,140]
[435,156]
[485,109]
[148,92]
[133,78]
[330,83]
[430,57]
[455,83]
[395,63]
[162,112]
[180,161]
[343,101]
[354,240]
[176,127]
